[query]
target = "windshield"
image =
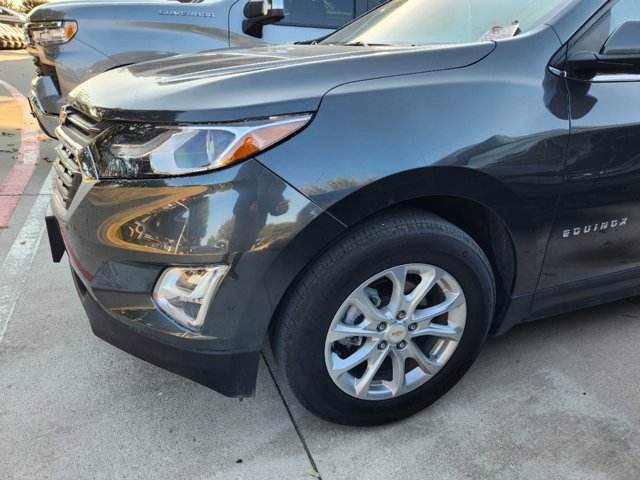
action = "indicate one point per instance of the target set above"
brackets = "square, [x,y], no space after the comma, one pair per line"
[423,22]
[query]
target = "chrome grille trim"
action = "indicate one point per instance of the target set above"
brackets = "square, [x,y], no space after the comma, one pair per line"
[63,154]
[66,178]
[73,155]
[62,173]
[83,123]
[68,141]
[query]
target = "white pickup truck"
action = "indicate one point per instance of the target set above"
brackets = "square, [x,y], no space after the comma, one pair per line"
[72,41]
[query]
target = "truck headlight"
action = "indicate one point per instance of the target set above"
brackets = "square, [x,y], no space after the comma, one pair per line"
[135,151]
[47,33]
[184,293]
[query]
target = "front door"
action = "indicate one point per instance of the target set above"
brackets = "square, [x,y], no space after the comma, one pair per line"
[597,228]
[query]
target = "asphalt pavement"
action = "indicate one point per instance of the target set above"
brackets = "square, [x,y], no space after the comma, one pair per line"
[555,399]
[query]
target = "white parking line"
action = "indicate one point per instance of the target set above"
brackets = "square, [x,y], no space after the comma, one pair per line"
[16,265]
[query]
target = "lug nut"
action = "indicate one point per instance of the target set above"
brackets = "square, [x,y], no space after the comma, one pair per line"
[401,315]
[413,327]
[401,345]
[382,327]
[382,345]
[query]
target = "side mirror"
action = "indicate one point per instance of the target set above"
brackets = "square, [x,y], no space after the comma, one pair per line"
[620,54]
[259,13]
[625,40]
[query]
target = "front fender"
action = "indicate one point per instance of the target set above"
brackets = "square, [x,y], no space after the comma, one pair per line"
[528,230]
[494,132]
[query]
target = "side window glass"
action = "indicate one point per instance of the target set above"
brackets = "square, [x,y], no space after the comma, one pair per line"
[318,13]
[594,38]
[623,11]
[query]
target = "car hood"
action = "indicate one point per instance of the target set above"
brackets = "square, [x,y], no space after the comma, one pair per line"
[233,84]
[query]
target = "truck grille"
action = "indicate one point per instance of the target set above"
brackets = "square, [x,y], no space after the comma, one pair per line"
[43,70]
[73,155]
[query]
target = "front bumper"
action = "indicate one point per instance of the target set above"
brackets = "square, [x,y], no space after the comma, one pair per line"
[46,104]
[121,235]
[232,373]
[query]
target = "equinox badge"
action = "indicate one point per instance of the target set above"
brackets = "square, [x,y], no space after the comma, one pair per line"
[596,227]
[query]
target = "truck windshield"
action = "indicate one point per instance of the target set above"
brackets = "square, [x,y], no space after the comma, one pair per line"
[425,22]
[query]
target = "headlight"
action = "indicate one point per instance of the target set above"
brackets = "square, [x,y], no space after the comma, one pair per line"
[146,150]
[46,33]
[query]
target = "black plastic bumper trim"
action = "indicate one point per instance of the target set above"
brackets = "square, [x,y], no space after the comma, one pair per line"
[55,237]
[230,373]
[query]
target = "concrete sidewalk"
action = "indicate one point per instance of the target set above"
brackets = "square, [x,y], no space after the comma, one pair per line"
[72,406]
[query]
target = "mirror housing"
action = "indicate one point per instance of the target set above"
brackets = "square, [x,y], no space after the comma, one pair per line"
[620,54]
[259,13]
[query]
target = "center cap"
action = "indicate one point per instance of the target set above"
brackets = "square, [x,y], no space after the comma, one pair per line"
[397,333]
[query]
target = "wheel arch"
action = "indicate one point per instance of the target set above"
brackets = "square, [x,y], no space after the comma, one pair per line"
[474,202]
[488,230]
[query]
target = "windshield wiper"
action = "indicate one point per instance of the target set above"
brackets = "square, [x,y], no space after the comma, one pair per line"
[360,43]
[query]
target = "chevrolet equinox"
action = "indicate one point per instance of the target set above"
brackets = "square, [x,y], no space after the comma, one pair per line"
[378,201]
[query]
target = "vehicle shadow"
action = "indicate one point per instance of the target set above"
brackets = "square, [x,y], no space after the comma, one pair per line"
[555,398]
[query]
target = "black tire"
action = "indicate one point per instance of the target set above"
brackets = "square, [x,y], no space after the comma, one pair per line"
[393,238]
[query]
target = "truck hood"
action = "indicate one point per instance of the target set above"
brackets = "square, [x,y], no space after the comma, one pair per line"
[234,84]
[74,9]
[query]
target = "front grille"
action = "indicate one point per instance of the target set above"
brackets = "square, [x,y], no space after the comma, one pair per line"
[66,176]
[73,155]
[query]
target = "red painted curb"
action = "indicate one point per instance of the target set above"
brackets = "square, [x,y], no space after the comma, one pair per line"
[18,178]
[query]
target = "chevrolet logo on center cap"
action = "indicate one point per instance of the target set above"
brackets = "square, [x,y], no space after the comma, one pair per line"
[397,332]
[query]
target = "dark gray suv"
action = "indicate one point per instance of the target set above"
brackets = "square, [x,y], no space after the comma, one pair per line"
[381,201]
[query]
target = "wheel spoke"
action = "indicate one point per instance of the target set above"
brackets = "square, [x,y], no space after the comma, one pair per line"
[427,282]
[428,366]
[374,361]
[398,277]
[397,383]
[342,365]
[361,301]
[341,331]
[452,301]
[448,332]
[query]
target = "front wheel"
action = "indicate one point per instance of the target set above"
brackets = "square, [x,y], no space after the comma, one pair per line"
[387,320]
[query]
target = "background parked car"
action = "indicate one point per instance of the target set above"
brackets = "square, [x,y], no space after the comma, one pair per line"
[72,41]
[11,29]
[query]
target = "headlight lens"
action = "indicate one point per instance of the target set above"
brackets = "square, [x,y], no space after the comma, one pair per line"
[184,293]
[145,150]
[47,33]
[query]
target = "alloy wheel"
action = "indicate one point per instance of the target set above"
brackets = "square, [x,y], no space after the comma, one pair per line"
[395,331]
